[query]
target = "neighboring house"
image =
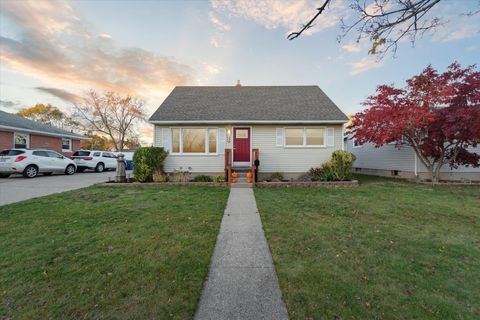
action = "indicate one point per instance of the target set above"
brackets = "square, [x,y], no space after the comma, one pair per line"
[293,128]
[388,160]
[19,132]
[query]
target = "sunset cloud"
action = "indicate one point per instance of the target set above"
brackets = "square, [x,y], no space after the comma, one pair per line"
[289,15]
[351,47]
[365,64]
[62,94]
[9,105]
[56,45]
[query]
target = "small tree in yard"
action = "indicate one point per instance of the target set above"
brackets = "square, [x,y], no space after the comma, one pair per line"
[438,115]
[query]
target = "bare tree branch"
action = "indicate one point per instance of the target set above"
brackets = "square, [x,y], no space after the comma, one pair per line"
[111,115]
[385,22]
[309,24]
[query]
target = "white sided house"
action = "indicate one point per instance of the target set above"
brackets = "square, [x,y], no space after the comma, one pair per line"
[287,129]
[388,160]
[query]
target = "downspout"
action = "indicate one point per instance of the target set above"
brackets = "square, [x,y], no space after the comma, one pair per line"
[154,136]
[415,165]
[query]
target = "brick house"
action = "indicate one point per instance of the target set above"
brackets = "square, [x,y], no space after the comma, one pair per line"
[19,132]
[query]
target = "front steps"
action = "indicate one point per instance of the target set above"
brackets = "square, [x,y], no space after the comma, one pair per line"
[242,178]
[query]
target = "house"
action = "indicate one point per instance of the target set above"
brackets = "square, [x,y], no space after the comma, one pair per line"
[388,160]
[19,132]
[288,129]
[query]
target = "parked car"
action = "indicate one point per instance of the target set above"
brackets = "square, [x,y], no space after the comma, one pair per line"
[31,162]
[95,160]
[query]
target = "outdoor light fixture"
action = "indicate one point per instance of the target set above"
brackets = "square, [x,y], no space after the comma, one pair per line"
[229,135]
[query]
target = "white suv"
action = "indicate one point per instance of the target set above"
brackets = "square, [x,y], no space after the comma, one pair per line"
[31,162]
[94,160]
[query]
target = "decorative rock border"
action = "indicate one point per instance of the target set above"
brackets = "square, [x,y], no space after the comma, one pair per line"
[289,184]
[190,183]
[308,184]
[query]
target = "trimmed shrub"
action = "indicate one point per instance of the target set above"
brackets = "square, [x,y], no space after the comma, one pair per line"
[276,176]
[159,176]
[219,179]
[179,176]
[342,163]
[202,178]
[315,174]
[146,161]
[328,172]
[339,168]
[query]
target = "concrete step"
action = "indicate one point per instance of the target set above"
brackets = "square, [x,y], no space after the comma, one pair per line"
[242,169]
[242,185]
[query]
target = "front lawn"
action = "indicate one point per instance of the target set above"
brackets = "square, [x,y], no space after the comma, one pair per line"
[108,252]
[385,250]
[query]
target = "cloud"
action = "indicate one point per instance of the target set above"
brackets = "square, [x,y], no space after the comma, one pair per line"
[364,65]
[7,104]
[54,44]
[62,94]
[351,47]
[289,15]
[218,23]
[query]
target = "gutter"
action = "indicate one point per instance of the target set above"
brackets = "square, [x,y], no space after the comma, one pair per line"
[44,133]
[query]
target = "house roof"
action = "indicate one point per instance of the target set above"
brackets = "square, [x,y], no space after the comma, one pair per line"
[264,104]
[12,122]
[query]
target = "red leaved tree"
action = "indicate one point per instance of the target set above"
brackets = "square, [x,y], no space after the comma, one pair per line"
[438,115]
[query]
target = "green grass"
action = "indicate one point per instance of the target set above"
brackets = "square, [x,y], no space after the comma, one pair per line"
[385,250]
[108,252]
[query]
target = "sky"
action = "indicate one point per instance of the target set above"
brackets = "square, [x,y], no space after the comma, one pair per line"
[55,51]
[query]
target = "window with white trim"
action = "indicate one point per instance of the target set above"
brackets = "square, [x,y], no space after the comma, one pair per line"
[304,137]
[66,144]
[356,144]
[21,140]
[294,137]
[194,140]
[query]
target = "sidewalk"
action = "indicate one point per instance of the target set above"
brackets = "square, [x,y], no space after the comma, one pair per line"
[242,283]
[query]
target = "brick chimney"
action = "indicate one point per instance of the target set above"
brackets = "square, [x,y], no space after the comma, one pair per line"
[238,85]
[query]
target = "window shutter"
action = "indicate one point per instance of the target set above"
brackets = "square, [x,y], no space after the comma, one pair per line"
[330,137]
[167,139]
[280,133]
[221,140]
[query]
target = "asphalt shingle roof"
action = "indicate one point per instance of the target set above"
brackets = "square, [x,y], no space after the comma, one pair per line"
[14,121]
[255,103]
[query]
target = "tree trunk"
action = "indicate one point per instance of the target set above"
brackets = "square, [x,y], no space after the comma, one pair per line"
[436,173]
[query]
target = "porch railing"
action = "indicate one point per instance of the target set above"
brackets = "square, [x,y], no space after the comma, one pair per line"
[228,167]
[255,165]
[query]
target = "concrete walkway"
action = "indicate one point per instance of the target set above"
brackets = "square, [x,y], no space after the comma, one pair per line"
[242,283]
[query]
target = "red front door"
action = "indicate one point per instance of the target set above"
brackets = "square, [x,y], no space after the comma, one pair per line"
[241,144]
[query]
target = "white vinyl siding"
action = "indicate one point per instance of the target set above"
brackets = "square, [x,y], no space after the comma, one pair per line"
[384,158]
[203,163]
[275,157]
[388,157]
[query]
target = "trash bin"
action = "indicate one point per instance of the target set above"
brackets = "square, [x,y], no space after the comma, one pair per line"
[129,164]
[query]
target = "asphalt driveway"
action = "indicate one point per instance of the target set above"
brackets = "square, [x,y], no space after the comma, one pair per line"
[17,188]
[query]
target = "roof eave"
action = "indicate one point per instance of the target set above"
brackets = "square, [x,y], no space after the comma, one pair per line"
[247,121]
[44,133]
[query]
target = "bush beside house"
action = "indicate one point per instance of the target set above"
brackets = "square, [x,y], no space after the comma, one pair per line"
[148,162]
[338,168]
